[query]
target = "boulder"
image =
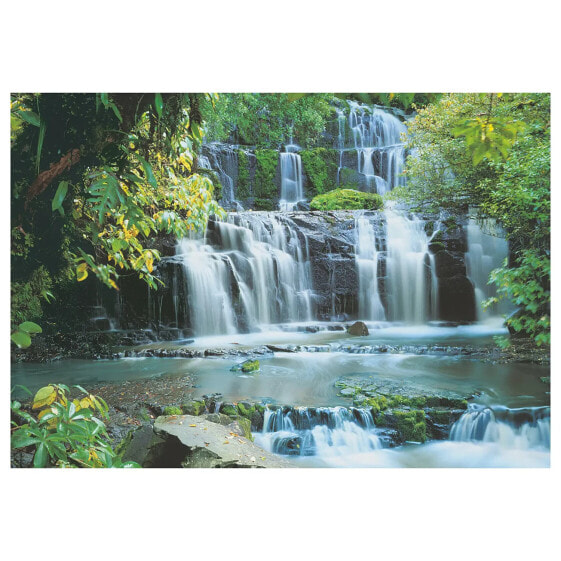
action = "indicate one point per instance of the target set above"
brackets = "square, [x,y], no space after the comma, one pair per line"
[358,328]
[189,441]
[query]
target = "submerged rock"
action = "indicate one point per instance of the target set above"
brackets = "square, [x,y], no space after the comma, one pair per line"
[246,366]
[358,328]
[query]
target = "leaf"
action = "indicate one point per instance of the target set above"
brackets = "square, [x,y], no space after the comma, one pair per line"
[44,396]
[148,172]
[42,131]
[21,339]
[23,440]
[41,455]
[159,103]
[82,272]
[30,327]
[29,117]
[59,197]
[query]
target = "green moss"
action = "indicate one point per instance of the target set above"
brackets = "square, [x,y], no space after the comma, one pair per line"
[244,411]
[411,425]
[349,178]
[245,425]
[378,403]
[194,407]
[267,162]
[346,199]
[229,409]
[170,410]
[243,176]
[320,167]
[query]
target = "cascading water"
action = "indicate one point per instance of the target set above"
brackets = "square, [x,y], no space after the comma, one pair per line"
[487,249]
[223,159]
[322,431]
[258,274]
[377,139]
[522,428]
[292,190]
[411,277]
[366,255]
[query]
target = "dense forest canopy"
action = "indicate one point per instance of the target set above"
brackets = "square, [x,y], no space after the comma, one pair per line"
[97,177]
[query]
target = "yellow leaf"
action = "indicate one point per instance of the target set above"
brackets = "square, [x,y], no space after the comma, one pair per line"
[82,272]
[85,403]
[45,396]
[192,425]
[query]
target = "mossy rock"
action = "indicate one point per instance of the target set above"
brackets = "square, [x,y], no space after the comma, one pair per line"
[229,409]
[171,410]
[411,425]
[320,168]
[245,425]
[378,403]
[267,163]
[347,199]
[246,409]
[194,407]
[251,365]
[439,416]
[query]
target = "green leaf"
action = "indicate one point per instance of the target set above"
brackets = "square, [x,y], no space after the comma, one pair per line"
[30,327]
[23,440]
[116,111]
[159,103]
[41,456]
[29,117]
[59,197]
[148,172]
[21,339]
[42,131]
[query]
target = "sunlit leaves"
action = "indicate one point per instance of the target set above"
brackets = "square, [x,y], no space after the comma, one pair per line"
[22,335]
[66,433]
[159,104]
[105,193]
[487,137]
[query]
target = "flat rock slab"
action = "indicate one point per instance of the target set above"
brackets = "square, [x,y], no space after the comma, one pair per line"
[208,444]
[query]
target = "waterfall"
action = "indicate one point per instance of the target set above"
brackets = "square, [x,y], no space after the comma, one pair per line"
[223,159]
[366,255]
[487,249]
[377,139]
[522,428]
[411,277]
[257,273]
[319,431]
[292,190]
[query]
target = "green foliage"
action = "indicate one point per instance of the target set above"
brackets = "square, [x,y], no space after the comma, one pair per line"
[267,163]
[26,297]
[243,175]
[246,366]
[22,335]
[170,410]
[346,199]
[65,433]
[527,285]
[263,204]
[267,120]
[130,179]
[411,425]
[492,152]
[320,167]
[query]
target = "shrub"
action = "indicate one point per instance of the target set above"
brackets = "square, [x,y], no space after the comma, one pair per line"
[65,433]
[346,199]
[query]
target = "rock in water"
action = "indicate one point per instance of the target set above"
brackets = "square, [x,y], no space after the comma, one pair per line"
[195,442]
[358,328]
[246,366]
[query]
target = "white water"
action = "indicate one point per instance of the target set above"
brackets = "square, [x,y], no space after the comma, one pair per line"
[377,136]
[259,275]
[323,432]
[292,191]
[487,249]
[411,277]
[366,255]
